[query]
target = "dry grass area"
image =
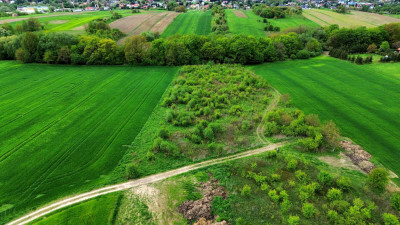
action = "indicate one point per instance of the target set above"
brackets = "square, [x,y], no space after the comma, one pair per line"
[137,24]
[354,19]
[239,13]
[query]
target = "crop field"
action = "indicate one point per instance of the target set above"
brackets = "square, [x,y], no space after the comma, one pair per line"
[72,22]
[191,22]
[137,24]
[354,19]
[65,128]
[363,100]
[293,21]
[96,211]
[248,25]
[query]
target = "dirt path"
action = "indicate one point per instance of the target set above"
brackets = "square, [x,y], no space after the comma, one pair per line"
[260,128]
[135,183]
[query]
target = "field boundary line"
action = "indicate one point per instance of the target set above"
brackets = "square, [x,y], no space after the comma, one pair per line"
[135,183]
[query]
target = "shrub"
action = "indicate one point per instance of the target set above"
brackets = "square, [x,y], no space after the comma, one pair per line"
[291,165]
[64,56]
[390,219]
[163,133]
[132,171]
[308,210]
[246,190]
[395,200]
[301,176]
[372,48]
[359,60]
[209,133]
[378,179]
[271,154]
[264,187]
[334,194]
[285,205]
[271,128]
[293,220]
[273,195]
[303,54]
[344,183]
[275,177]
[340,206]
[325,178]
[331,134]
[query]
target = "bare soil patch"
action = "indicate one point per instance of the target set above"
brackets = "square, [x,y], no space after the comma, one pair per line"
[358,155]
[343,162]
[200,210]
[129,23]
[79,28]
[164,22]
[239,14]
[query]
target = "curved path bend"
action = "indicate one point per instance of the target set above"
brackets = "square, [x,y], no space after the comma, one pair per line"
[134,183]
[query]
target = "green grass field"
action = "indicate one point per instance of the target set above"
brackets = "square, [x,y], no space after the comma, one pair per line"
[253,25]
[293,21]
[65,128]
[67,23]
[363,100]
[247,26]
[96,211]
[191,22]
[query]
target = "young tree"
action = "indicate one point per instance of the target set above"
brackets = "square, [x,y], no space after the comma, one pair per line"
[378,179]
[331,134]
[136,49]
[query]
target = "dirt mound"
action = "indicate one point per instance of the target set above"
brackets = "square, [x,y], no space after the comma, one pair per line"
[200,210]
[358,155]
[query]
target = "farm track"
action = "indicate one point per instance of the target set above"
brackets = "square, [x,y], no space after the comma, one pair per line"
[261,125]
[134,183]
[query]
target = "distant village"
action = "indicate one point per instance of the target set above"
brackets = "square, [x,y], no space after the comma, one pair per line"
[72,6]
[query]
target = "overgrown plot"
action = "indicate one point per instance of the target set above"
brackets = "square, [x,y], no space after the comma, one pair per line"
[63,128]
[364,101]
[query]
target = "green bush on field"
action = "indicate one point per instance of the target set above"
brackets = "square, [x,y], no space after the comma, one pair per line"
[325,178]
[344,183]
[308,210]
[395,200]
[334,194]
[378,178]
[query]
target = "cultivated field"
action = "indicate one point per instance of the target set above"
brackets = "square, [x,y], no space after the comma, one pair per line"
[63,128]
[71,22]
[293,21]
[192,22]
[137,24]
[363,100]
[354,19]
[248,23]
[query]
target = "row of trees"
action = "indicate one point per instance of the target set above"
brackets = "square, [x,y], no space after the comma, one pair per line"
[175,50]
[360,40]
[218,25]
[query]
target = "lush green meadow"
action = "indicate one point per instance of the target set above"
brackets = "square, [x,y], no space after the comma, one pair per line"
[293,21]
[96,211]
[363,100]
[73,22]
[247,26]
[65,128]
[191,22]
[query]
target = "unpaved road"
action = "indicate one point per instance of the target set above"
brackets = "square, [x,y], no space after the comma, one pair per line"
[134,183]
[261,125]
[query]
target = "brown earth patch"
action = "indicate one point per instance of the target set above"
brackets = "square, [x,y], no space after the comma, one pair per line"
[200,210]
[343,161]
[239,14]
[79,28]
[358,155]
[164,22]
